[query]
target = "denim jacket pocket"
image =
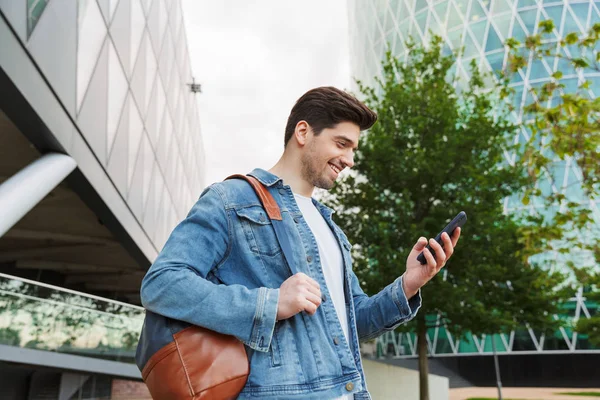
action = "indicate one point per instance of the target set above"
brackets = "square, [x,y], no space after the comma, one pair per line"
[258,231]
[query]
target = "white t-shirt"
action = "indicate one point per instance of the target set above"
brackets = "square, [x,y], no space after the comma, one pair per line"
[331,261]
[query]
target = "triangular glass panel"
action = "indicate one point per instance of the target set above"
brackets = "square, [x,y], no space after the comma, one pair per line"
[537,70]
[455,38]
[581,12]
[410,4]
[441,9]
[137,30]
[403,28]
[493,40]
[529,18]
[517,97]
[135,136]
[422,21]
[478,30]
[120,32]
[526,3]
[488,346]
[93,115]
[157,22]
[454,17]
[399,48]
[112,7]
[91,35]
[518,32]
[402,12]
[496,61]
[476,12]
[435,25]
[565,66]
[523,341]
[148,165]
[138,79]
[595,86]
[595,17]
[413,31]
[117,90]
[388,24]
[134,196]
[105,8]
[486,4]
[502,23]
[442,345]
[419,5]
[501,6]
[149,213]
[118,153]
[570,24]
[467,345]
[35,9]
[555,14]
[470,47]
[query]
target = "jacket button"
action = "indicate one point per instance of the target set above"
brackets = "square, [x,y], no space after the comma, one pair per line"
[282,191]
[336,341]
[349,386]
[262,218]
[323,298]
[296,220]
[309,259]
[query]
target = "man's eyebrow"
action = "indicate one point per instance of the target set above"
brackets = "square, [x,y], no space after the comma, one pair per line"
[347,139]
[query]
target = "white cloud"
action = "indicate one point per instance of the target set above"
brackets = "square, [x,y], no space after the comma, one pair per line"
[254,59]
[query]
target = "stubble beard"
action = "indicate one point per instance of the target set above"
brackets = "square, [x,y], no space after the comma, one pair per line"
[310,172]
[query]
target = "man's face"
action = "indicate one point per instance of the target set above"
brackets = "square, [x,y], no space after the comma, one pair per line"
[327,154]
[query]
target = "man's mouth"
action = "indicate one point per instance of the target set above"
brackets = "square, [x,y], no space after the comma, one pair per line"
[335,168]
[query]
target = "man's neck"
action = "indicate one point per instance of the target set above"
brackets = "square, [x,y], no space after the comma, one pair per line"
[290,173]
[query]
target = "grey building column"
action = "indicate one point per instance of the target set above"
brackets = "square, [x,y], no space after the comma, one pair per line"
[21,192]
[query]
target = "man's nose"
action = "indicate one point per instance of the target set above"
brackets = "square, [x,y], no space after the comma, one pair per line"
[349,161]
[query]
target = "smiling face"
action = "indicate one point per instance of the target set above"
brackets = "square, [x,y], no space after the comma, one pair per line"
[325,155]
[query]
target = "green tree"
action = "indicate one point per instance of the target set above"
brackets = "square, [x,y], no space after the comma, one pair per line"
[563,124]
[433,153]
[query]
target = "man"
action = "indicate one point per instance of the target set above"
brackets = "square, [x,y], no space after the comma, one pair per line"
[223,269]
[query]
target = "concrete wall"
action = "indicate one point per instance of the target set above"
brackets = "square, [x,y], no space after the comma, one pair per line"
[386,382]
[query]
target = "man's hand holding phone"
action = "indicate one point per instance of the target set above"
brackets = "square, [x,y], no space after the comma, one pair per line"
[418,274]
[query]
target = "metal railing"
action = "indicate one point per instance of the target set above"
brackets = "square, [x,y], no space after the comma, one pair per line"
[44,317]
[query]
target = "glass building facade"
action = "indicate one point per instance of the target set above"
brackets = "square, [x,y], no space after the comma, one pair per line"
[481,27]
[96,108]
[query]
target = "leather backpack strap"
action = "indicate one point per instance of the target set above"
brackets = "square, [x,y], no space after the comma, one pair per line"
[274,213]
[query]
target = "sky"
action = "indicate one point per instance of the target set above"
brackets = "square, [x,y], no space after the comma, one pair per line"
[254,59]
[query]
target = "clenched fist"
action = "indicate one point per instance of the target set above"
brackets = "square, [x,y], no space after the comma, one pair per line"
[298,293]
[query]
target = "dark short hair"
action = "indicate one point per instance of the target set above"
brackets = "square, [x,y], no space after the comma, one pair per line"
[325,107]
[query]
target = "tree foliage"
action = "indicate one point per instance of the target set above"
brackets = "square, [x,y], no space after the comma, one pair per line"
[433,153]
[563,124]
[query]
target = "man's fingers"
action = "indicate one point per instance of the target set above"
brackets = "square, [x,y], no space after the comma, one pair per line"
[311,304]
[431,264]
[420,245]
[314,290]
[455,236]
[439,252]
[448,247]
[305,278]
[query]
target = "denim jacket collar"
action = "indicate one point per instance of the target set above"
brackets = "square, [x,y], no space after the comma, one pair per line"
[268,179]
[265,177]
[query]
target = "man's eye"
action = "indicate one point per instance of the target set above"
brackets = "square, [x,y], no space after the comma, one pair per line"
[342,144]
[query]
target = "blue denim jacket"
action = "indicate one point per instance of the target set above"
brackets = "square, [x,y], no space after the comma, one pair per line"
[221,269]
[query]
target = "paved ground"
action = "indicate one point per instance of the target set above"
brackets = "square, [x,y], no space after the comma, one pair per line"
[520,393]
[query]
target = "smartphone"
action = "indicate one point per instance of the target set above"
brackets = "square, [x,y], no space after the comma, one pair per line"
[457,222]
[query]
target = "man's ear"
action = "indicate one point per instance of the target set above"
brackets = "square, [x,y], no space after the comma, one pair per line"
[301,133]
